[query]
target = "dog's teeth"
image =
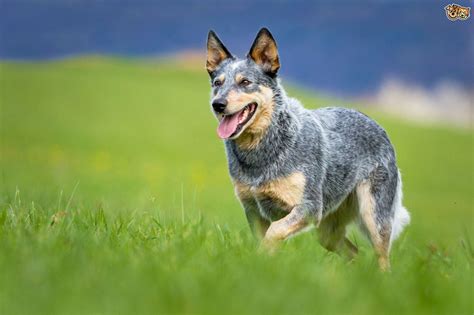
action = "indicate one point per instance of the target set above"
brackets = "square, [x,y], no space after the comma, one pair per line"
[243,116]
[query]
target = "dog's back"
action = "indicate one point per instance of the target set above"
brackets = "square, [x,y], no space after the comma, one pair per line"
[356,147]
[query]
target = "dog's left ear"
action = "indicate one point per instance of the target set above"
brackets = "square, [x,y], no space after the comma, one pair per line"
[264,52]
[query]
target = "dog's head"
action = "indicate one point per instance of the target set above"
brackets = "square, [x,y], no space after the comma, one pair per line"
[242,94]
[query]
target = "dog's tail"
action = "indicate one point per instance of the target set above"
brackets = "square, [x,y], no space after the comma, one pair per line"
[401,216]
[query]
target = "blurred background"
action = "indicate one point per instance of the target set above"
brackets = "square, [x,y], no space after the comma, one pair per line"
[112,96]
[104,114]
[402,55]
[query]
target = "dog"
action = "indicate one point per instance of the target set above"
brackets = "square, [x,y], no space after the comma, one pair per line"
[293,167]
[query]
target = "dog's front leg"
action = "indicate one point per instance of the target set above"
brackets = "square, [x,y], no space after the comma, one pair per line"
[280,230]
[258,224]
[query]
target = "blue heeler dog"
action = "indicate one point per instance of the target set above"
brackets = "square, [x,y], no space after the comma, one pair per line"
[293,167]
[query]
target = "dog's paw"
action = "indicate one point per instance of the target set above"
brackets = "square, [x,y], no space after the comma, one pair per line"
[268,246]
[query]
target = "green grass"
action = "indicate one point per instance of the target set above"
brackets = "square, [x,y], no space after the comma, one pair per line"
[115,199]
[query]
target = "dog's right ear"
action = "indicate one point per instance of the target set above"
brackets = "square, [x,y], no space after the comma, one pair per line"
[216,52]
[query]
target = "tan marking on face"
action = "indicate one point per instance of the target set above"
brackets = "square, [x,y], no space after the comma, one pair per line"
[255,130]
[238,77]
[238,100]
[221,78]
[287,191]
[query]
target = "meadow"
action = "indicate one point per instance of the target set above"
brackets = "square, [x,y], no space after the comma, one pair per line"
[115,199]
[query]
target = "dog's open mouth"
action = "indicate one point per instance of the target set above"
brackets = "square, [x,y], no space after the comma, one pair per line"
[230,125]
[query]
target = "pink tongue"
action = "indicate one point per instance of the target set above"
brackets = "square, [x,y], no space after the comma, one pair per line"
[228,125]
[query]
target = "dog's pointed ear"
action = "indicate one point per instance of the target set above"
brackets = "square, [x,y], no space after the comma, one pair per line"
[216,52]
[264,52]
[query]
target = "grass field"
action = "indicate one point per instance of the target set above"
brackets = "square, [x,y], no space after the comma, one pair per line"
[115,199]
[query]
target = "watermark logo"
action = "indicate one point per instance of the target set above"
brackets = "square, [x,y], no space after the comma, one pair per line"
[456,12]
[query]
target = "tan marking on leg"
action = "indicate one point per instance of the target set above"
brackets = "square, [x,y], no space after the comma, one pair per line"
[379,239]
[258,224]
[284,228]
[367,209]
[287,191]
[384,263]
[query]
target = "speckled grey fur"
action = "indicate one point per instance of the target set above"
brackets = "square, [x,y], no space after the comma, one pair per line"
[335,148]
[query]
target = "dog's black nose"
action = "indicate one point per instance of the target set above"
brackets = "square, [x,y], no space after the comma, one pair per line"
[219,105]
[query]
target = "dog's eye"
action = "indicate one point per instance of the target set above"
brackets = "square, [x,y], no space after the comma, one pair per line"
[244,82]
[217,83]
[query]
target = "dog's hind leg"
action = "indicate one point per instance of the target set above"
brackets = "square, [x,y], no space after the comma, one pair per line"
[375,198]
[332,229]
[332,236]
